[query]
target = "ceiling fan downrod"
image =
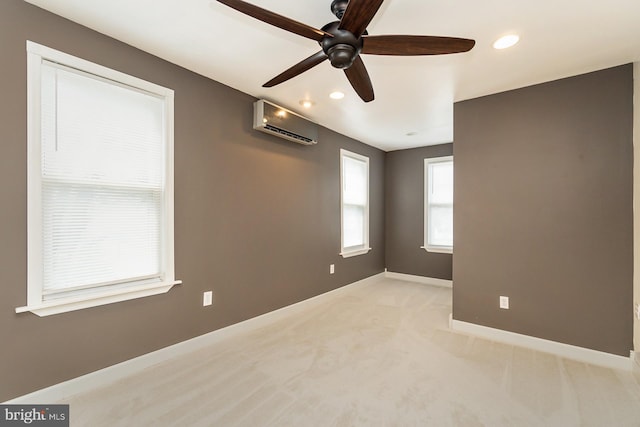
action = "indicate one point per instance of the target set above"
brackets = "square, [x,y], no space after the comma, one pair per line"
[338,7]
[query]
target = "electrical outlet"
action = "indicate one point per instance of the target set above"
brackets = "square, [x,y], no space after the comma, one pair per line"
[504,302]
[637,313]
[207,298]
[332,269]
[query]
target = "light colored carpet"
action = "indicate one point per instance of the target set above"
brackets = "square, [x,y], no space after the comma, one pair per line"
[380,355]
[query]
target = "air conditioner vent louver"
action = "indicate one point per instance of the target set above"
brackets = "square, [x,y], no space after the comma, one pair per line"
[278,121]
[289,134]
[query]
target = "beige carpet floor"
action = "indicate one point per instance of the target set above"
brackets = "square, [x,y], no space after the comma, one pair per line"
[379,355]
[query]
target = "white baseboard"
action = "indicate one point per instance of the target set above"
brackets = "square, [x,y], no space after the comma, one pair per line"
[419,279]
[568,351]
[635,358]
[64,390]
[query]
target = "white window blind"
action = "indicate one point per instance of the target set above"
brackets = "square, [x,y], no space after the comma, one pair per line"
[355,203]
[439,204]
[100,184]
[102,181]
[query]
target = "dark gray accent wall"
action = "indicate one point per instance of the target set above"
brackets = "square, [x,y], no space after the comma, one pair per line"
[257,219]
[404,216]
[543,210]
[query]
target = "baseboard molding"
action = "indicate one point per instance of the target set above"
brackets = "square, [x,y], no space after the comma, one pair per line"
[84,383]
[635,358]
[419,279]
[568,351]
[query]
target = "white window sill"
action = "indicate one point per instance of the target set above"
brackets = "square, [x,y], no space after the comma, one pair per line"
[438,249]
[64,305]
[348,254]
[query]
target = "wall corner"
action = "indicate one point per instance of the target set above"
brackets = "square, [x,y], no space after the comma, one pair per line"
[636,207]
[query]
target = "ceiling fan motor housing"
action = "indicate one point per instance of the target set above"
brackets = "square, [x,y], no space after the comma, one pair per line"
[343,48]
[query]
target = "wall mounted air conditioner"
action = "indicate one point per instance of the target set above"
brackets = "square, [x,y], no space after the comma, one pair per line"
[278,121]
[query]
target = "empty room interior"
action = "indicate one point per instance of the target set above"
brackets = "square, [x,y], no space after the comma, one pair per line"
[449,239]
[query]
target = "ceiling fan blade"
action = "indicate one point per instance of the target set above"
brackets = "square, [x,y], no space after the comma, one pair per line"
[414,45]
[276,20]
[358,15]
[297,69]
[359,79]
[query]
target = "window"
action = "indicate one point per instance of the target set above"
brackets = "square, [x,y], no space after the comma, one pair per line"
[100,185]
[438,199]
[354,177]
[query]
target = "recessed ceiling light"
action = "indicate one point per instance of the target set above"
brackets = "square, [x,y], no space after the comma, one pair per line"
[506,41]
[307,103]
[336,95]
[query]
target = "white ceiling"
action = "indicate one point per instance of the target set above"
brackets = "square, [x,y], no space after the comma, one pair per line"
[413,94]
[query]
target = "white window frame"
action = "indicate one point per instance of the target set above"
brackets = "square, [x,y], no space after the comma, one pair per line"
[36,54]
[347,252]
[427,173]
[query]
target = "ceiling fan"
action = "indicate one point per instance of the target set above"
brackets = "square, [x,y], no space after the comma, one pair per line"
[343,41]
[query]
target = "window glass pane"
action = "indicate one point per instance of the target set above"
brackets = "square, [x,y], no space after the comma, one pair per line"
[441,185]
[440,226]
[353,225]
[354,181]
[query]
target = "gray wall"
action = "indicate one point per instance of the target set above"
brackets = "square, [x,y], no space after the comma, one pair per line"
[257,219]
[543,210]
[404,214]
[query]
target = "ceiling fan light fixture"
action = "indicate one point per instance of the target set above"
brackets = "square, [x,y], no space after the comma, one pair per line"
[342,55]
[336,95]
[506,41]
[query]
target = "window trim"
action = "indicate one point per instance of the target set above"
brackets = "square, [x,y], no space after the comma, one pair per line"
[359,249]
[36,55]
[427,246]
